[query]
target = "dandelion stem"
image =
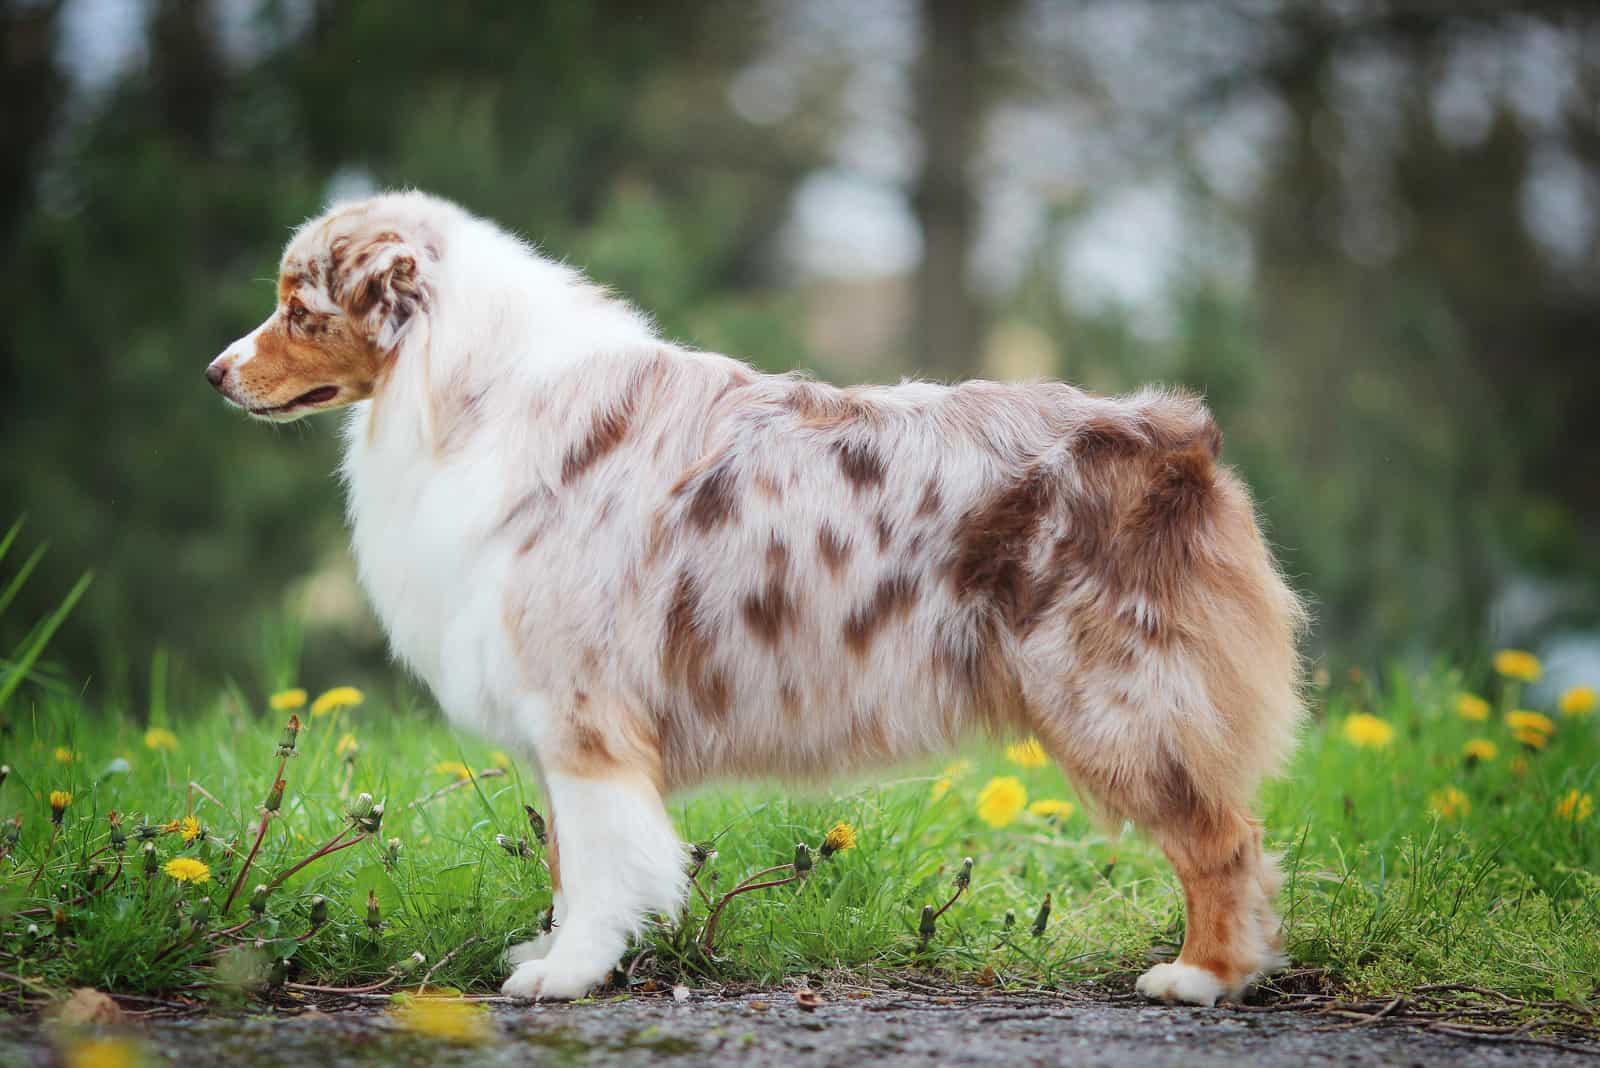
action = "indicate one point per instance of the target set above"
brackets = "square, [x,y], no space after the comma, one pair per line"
[244,869]
[334,845]
[708,933]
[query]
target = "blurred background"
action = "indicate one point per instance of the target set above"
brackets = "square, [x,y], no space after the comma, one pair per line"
[1366,231]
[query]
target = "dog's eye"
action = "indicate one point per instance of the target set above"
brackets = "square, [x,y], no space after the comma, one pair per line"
[298,313]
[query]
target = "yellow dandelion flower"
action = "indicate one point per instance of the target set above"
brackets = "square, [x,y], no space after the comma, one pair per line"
[188,870]
[1449,803]
[453,767]
[1523,720]
[1578,701]
[59,800]
[948,776]
[500,760]
[101,1053]
[1575,806]
[336,698]
[840,836]
[1480,749]
[65,755]
[1518,664]
[1052,809]
[1535,740]
[189,827]
[1471,707]
[1368,732]
[1001,800]
[160,738]
[287,700]
[1028,754]
[346,746]
[461,1022]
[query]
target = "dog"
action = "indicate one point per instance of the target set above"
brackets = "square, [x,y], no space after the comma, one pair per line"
[647,566]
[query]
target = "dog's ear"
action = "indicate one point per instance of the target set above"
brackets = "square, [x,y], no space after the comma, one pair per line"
[375,280]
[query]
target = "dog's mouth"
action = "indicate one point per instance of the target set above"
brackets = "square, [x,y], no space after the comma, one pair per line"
[310,398]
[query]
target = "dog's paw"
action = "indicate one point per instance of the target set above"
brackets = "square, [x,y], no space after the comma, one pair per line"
[537,949]
[1181,984]
[545,980]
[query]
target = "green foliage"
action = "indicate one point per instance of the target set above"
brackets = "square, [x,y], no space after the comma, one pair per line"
[1381,894]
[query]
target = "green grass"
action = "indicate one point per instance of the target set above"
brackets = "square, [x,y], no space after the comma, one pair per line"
[1381,894]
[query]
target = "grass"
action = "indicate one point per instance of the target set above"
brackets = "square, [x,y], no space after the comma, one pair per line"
[1383,893]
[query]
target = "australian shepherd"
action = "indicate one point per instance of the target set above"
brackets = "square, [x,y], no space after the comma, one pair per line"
[647,566]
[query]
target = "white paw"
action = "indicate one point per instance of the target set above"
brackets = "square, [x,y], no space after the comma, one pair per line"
[537,949]
[547,980]
[1181,984]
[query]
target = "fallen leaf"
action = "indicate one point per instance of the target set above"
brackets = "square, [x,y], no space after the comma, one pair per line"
[759,1006]
[87,1006]
[680,993]
[808,999]
[986,977]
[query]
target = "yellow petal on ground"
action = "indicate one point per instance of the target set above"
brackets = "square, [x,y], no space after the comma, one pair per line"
[461,1022]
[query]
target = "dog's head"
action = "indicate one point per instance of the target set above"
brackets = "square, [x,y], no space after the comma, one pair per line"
[350,290]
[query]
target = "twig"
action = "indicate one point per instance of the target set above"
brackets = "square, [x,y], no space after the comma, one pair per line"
[370,988]
[486,773]
[446,959]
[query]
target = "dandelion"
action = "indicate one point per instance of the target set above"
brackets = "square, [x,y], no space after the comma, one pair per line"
[840,836]
[461,1022]
[59,800]
[1575,806]
[65,755]
[1518,664]
[1028,754]
[189,828]
[500,760]
[159,738]
[188,870]
[1367,731]
[1577,702]
[287,700]
[1449,803]
[346,748]
[1480,749]
[1531,739]
[1052,809]
[948,776]
[1001,800]
[453,767]
[1523,720]
[335,699]
[1471,707]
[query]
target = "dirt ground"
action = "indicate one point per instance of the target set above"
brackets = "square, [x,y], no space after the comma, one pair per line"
[877,1029]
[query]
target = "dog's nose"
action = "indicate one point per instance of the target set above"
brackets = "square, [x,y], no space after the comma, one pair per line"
[215,373]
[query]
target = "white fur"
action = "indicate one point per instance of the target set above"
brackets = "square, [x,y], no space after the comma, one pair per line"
[1181,983]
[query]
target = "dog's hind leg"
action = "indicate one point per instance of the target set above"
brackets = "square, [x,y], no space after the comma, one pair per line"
[620,861]
[1231,931]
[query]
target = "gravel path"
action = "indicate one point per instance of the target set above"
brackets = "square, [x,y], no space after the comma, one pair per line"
[881,1029]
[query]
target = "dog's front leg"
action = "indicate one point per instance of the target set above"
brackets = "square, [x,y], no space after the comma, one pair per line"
[620,861]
